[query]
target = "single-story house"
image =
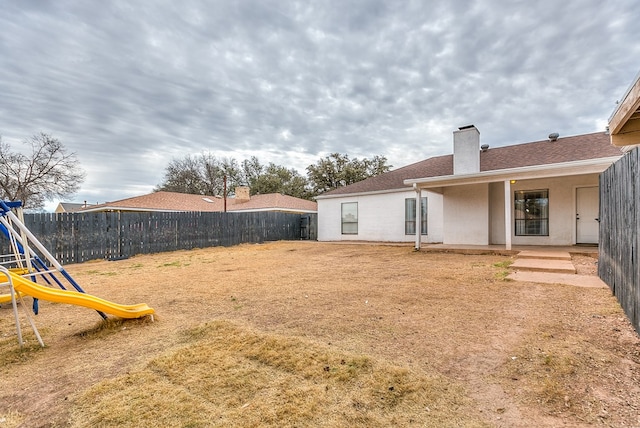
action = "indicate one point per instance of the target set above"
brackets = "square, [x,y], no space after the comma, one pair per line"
[538,193]
[176,202]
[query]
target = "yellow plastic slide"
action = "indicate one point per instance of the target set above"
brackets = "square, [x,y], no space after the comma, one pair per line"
[5,298]
[23,285]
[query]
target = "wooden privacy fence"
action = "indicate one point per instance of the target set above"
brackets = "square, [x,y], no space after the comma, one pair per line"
[619,237]
[79,237]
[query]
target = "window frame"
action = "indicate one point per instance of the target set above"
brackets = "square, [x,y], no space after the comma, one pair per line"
[349,224]
[525,222]
[410,220]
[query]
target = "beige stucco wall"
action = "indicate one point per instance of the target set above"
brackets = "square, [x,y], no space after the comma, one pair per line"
[562,208]
[474,214]
[496,214]
[466,214]
[470,214]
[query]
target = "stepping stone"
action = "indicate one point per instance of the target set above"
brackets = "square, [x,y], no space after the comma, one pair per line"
[558,278]
[544,265]
[544,254]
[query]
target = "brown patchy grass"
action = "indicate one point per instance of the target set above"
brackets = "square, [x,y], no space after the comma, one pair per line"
[317,334]
[230,376]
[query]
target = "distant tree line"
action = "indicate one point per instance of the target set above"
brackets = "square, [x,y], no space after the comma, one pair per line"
[49,171]
[205,174]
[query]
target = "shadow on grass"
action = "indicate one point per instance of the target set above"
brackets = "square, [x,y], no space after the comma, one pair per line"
[111,325]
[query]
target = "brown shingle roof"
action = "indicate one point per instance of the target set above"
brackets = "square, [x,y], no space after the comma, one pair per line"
[272,201]
[567,149]
[172,201]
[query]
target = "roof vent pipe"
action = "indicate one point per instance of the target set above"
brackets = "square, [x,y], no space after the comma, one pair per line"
[554,136]
[484,147]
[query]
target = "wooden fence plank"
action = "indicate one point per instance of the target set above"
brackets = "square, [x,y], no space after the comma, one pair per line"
[618,263]
[79,237]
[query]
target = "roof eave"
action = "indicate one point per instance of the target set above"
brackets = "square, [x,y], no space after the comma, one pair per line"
[624,123]
[371,192]
[275,209]
[589,166]
[129,209]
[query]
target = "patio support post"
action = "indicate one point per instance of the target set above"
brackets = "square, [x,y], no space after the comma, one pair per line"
[418,217]
[507,214]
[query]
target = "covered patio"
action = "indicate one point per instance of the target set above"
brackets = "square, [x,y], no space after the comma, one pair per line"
[495,207]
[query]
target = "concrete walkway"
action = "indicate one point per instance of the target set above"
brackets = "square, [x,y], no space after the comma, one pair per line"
[587,250]
[550,267]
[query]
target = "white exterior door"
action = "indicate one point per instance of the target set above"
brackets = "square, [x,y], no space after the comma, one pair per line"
[587,212]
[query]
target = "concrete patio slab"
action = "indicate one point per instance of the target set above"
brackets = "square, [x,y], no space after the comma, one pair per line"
[558,278]
[587,250]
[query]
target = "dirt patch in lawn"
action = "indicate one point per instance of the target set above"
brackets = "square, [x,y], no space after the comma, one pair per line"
[318,334]
[585,265]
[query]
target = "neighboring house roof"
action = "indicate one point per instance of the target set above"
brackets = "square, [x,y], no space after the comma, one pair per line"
[273,202]
[172,201]
[567,149]
[68,207]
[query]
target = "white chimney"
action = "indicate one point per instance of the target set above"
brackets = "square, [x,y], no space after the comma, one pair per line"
[466,150]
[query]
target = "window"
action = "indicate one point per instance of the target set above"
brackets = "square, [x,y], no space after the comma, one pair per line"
[410,216]
[532,212]
[350,218]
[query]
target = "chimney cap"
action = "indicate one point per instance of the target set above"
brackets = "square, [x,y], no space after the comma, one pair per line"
[553,136]
[461,128]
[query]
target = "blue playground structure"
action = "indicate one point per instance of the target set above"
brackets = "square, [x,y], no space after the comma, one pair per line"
[30,261]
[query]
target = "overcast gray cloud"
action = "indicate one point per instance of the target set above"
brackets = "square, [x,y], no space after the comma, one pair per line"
[130,85]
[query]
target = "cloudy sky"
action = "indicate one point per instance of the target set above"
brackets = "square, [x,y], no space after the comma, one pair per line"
[130,85]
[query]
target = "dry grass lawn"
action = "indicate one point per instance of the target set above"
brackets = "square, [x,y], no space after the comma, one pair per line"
[318,334]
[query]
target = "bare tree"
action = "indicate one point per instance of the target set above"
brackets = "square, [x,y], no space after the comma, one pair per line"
[48,172]
[184,176]
[201,175]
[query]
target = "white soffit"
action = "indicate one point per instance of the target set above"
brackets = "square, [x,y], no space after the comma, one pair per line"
[590,166]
